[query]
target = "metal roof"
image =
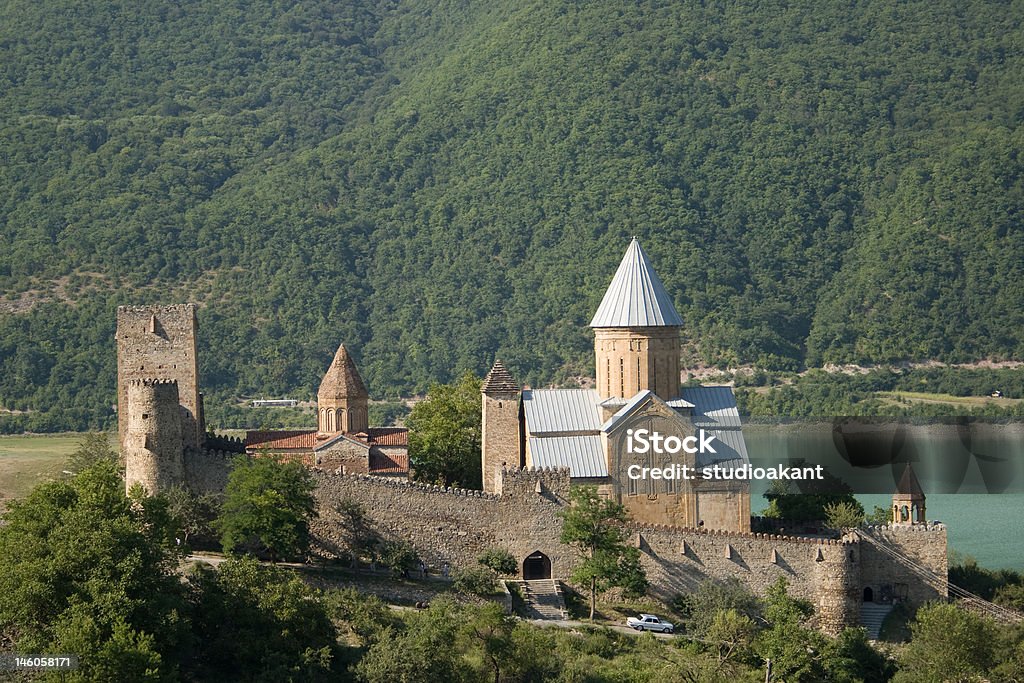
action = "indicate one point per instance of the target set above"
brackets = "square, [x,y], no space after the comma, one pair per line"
[712,406]
[625,410]
[561,410]
[583,455]
[636,297]
[729,446]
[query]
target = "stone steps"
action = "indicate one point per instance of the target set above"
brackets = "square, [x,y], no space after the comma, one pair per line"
[542,599]
[872,614]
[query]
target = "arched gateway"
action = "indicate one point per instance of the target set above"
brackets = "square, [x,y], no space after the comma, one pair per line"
[536,566]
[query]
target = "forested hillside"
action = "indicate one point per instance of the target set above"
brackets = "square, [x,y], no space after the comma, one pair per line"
[438,183]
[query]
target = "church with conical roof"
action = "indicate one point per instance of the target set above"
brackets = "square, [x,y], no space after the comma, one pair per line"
[343,440]
[629,436]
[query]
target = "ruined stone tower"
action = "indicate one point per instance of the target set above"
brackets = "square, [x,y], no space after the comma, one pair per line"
[342,398]
[500,439]
[152,435]
[636,333]
[159,343]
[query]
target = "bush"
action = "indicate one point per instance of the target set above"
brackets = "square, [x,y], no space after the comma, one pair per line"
[499,560]
[477,581]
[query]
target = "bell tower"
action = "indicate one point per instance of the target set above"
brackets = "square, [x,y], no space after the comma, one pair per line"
[908,501]
[636,333]
[341,402]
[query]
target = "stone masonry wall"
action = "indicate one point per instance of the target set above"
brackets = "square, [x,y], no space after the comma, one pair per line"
[924,544]
[207,471]
[159,342]
[453,526]
[679,560]
[450,526]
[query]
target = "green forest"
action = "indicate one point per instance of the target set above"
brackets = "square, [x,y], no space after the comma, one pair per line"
[437,184]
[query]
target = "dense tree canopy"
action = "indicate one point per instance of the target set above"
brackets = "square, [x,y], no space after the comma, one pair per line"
[267,507]
[444,434]
[440,185]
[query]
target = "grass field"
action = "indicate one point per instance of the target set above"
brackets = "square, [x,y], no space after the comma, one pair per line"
[973,401]
[27,460]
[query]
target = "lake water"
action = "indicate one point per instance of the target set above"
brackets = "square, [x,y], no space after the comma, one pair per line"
[973,478]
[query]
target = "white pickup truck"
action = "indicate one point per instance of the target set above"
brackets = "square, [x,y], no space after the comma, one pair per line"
[649,622]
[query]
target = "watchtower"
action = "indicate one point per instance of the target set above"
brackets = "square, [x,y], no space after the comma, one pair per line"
[152,440]
[500,438]
[159,343]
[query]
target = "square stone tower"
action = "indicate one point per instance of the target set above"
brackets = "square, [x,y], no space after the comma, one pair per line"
[501,435]
[159,343]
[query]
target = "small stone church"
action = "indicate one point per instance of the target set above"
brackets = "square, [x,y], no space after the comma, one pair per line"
[343,440]
[588,431]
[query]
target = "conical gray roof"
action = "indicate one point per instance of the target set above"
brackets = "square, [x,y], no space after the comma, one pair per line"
[636,297]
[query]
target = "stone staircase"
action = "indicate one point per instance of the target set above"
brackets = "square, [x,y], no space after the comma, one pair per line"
[872,614]
[542,599]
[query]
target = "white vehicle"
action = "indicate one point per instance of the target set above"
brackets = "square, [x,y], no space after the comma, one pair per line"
[649,622]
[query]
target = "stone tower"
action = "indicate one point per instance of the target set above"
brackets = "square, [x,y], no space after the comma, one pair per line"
[636,333]
[342,398]
[500,439]
[908,501]
[152,435]
[159,342]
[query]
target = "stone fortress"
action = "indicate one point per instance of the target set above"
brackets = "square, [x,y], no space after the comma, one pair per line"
[536,445]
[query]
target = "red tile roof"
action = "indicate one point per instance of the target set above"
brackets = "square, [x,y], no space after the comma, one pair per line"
[382,463]
[388,436]
[281,440]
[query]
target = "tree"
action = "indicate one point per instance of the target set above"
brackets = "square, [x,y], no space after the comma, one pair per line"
[851,659]
[422,652]
[267,507]
[498,560]
[444,434]
[712,597]
[947,644]
[843,515]
[811,501]
[193,513]
[256,622]
[90,571]
[93,448]
[487,631]
[594,527]
[792,647]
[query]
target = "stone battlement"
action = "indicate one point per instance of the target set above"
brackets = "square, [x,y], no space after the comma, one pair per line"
[684,530]
[907,528]
[149,310]
[150,382]
[397,483]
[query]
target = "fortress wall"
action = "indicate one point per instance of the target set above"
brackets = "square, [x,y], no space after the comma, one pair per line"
[447,526]
[924,544]
[444,525]
[207,471]
[822,571]
[679,560]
